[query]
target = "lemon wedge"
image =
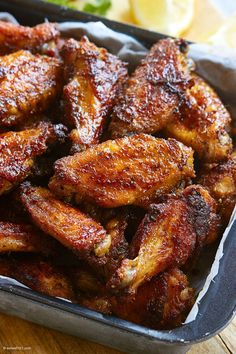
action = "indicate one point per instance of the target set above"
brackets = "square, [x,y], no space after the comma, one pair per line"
[226,35]
[171,17]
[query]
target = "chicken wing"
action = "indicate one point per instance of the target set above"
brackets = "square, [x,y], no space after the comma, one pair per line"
[28,85]
[14,37]
[25,238]
[68,225]
[94,78]
[161,303]
[221,182]
[202,123]
[38,274]
[168,236]
[150,97]
[18,151]
[123,171]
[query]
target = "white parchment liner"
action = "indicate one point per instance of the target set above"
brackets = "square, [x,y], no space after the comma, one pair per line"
[216,65]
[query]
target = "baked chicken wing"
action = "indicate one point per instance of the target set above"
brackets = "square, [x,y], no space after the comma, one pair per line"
[168,236]
[161,303]
[38,274]
[14,37]
[221,182]
[94,78]
[28,85]
[68,225]
[150,97]
[123,171]
[18,151]
[202,122]
[24,238]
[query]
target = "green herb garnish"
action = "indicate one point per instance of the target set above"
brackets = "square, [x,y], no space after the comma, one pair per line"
[68,3]
[98,7]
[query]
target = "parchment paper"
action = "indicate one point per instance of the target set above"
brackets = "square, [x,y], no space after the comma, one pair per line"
[216,66]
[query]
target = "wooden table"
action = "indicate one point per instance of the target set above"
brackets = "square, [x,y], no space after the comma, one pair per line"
[24,337]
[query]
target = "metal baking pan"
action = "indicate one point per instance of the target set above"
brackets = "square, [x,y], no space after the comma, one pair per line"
[216,308]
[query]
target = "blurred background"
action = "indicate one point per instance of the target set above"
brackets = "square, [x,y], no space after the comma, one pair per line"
[204,21]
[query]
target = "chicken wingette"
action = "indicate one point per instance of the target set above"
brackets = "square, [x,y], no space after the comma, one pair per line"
[94,79]
[18,151]
[14,37]
[68,225]
[221,182]
[202,122]
[102,249]
[168,236]
[150,97]
[123,171]
[28,85]
[38,274]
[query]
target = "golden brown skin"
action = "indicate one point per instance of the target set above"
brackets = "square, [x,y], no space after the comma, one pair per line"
[14,37]
[39,275]
[168,236]
[123,171]
[68,225]
[94,78]
[221,182]
[202,123]
[16,237]
[18,151]
[149,98]
[28,85]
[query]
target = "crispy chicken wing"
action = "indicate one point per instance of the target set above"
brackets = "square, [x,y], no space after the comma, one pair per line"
[94,78]
[14,37]
[161,303]
[18,151]
[202,123]
[168,236]
[24,238]
[149,98]
[28,85]
[123,171]
[221,182]
[38,274]
[68,225]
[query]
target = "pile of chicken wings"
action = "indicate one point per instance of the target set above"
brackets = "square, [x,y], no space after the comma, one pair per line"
[111,183]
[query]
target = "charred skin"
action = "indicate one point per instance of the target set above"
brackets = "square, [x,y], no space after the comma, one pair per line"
[152,93]
[25,238]
[203,123]
[28,85]
[168,236]
[123,171]
[38,274]
[95,76]
[68,225]
[221,182]
[18,151]
[15,37]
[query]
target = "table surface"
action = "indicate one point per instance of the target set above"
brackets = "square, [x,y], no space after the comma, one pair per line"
[19,336]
